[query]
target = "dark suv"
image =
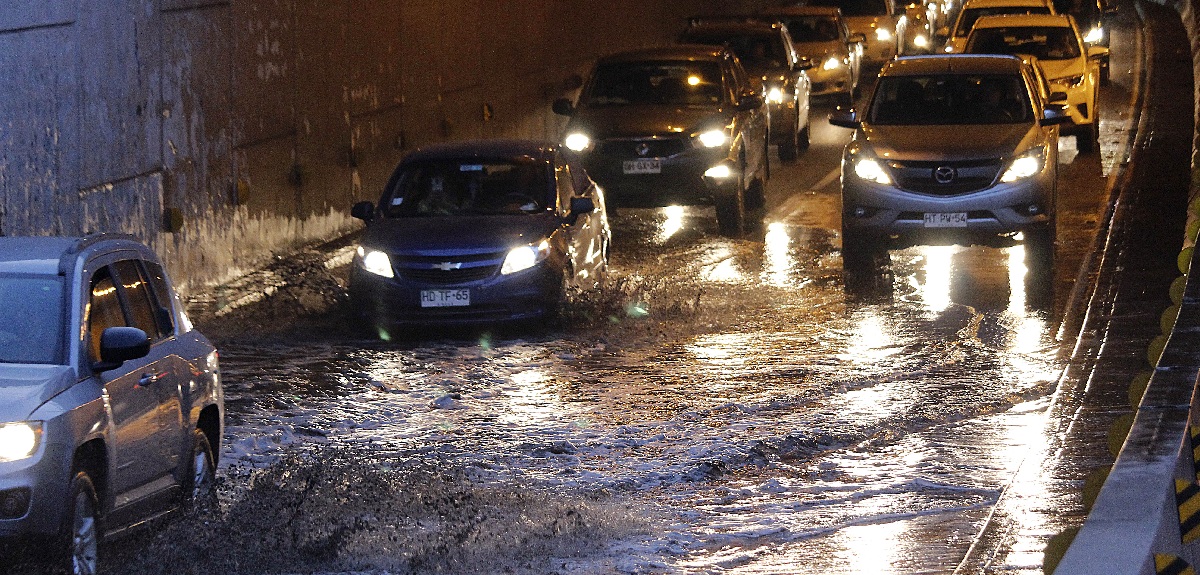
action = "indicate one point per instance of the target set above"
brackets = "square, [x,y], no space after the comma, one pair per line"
[680,124]
[111,407]
[767,52]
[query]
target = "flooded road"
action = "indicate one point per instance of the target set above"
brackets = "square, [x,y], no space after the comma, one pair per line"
[725,406]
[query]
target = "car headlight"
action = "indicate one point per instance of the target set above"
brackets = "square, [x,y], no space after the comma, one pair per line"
[775,95]
[920,41]
[1095,35]
[832,63]
[19,440]
[872,171]
[883,34]
[1027,165]
[713,138]
[525,257]
[577,141]
[718,172]
[376,262]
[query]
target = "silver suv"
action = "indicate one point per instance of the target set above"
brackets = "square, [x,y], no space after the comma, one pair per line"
[957,148]
[111,407]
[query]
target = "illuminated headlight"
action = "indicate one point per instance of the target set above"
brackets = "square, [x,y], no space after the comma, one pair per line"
[525,257]
[871,171]
[949,49]
[718,172]
[375,262]
[713,138]
[832,63]
[577,141]
[920,41]
[1095,35]
[1026,166]
[774,95]
[19,440]
[883,34]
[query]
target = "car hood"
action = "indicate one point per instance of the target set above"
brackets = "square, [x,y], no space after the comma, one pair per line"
[448,236]
[931,143]
[645,120]
[24,388]
[1055,69]
[818,52]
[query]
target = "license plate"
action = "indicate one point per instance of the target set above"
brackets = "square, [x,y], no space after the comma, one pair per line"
[647,166]
[445,297]
[946,220]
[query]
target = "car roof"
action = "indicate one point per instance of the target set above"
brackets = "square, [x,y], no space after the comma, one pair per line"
[804,11]
[952,64]
[996,3]
[492,148]
[667,52]
[730,26]
[1024,20]
[56,254]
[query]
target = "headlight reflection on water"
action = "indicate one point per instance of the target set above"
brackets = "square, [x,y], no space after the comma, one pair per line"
[672,224]
[777,256]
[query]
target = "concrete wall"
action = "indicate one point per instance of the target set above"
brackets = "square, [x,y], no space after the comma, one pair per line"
[224,131]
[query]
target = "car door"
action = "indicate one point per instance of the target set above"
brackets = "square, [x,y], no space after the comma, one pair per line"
[585,236]
[144,394]
[754,121]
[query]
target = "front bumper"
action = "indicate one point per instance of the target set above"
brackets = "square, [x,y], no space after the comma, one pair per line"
[679,181]
[33,492]
[826,82]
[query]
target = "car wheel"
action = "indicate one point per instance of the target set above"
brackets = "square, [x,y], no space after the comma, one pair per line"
[789,150]
[1086,140]
[866,273]
[1039,247]
[805,138]
[731,208]
[1104,78]
[82,531]
[199,487]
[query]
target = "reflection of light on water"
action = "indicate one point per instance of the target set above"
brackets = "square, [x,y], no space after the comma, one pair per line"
[673,223]
[871,548]
[1027,334]
[725,270]
[871,341]
[1016,279]
[777,259]
[938,266]
[722,350]
[529,399]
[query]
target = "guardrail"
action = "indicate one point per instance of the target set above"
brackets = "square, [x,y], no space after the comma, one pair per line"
[1146,517]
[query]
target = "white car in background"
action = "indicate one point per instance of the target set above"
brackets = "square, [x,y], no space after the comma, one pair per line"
[1070,65]
[972,10]
[875,20]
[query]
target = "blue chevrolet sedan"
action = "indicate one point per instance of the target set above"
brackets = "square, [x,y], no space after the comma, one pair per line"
[479,232]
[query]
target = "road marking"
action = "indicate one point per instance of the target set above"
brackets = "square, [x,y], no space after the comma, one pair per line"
[794,204]
[1165,564]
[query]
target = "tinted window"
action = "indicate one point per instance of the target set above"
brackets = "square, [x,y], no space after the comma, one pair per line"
[856,7]
[162,297]
[970,15]
[470,187]
[952,99]
[104,310]
[31,319]
[673,83]
[813,29]
[1047,43]
[138,298]
[756,50]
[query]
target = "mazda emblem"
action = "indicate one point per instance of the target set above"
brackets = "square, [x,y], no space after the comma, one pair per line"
[945,174]
[642,149]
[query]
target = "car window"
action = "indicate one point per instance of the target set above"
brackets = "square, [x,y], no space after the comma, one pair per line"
[969,15]
[762,50]
[138,299]
[813,28]
[470,187]
[31,319]
[161,292]
[1045,42]
[856,7]
[951,99]
[104,310]
[679,83]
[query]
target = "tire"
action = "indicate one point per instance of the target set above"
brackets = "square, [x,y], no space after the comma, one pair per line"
[731,213]
[199,482]
[789,150]
[82,530]
[805,138]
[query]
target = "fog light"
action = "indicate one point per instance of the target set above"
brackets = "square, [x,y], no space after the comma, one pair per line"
[14,503]
[1033,209]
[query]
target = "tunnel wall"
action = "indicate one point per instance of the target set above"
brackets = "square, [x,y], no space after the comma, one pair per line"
[223,132]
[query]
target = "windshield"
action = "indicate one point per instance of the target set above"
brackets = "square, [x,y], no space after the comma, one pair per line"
[31,319]
[470,187]
[1047,43]
[813,29]
[856,7]
[673,83]
[755,51]
[970,15]
[952,99]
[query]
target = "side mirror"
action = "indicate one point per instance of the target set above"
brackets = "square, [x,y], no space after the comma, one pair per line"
[749,102]
[121,344]
[847,118]
[1058,97]
[805,63]
[1054,116]
[580,205]
[563,107]
[857,38]
[364,211]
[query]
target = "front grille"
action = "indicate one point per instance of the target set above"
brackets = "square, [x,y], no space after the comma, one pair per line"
[446,277]
[967,177]
[644,147]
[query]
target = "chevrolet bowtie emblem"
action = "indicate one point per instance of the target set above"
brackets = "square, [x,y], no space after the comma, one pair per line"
[447,266]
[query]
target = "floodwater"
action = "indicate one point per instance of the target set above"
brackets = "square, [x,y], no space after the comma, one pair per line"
[724,406]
